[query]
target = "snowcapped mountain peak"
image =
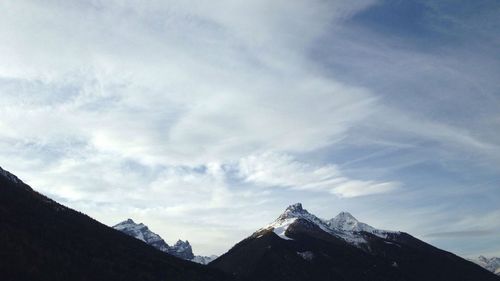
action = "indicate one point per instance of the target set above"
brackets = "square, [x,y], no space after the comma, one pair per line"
[180,242]
[346,215]
[128,222]
[482,258]
[293,211]
[491,264]
[288,217]
[347,222]
[297,207]
[181,249]
[344,225]
[142,232]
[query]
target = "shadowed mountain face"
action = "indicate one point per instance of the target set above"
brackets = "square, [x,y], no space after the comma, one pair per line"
[300,246]
[43,240]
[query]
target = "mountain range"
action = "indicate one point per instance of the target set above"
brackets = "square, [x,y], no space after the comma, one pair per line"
[41,239]
[300,246]
[181,249]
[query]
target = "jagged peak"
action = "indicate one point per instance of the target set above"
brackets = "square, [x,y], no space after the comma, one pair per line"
[297,207]
[180,242]
[131,224]
[293,211]
[344,225]
[291,214]
[128,221]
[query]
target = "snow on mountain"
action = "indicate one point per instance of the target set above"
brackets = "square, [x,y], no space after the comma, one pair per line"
[300,246]
[291,214]
[142,232]
[344,225]
[181,249]
[346,222]
[204,259]
[491,264]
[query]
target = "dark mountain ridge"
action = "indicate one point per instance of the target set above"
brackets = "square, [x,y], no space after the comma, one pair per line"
[41,239]
[300,246]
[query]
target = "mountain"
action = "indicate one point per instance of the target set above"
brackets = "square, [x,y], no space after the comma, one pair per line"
[181,249]
[491,264]
[300,246]
[204,259]
[141,232]
[41,239]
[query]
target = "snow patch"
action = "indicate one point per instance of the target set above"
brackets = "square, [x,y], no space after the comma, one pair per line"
[491,264]
[344,225]
[280,227]
[181,249]
[204,259]
[307,255]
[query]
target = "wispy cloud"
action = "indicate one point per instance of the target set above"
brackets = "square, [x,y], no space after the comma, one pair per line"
[461,234]
[278,170]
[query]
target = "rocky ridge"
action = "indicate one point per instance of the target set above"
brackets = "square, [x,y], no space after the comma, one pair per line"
[181,249]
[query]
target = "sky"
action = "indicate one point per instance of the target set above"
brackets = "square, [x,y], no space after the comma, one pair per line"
[206,119]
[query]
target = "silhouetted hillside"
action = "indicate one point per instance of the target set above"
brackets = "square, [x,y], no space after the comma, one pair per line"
[299,246]
[43,240]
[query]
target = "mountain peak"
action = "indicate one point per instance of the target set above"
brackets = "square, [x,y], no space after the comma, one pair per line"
[293,211]
[142,232]
[181,249]
[344,221]
[491,264]
[344,225]
[180,242]
[297,207]
[346,215]
[126,223]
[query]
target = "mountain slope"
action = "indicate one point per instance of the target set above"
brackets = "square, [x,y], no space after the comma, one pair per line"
[300,246]
[181,249]
[43,240]
[142,232]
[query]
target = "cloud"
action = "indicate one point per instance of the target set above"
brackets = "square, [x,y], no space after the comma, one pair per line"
[355,188]
[195,117]
[119,109]
[278,170]
[461,234]
[166,99]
